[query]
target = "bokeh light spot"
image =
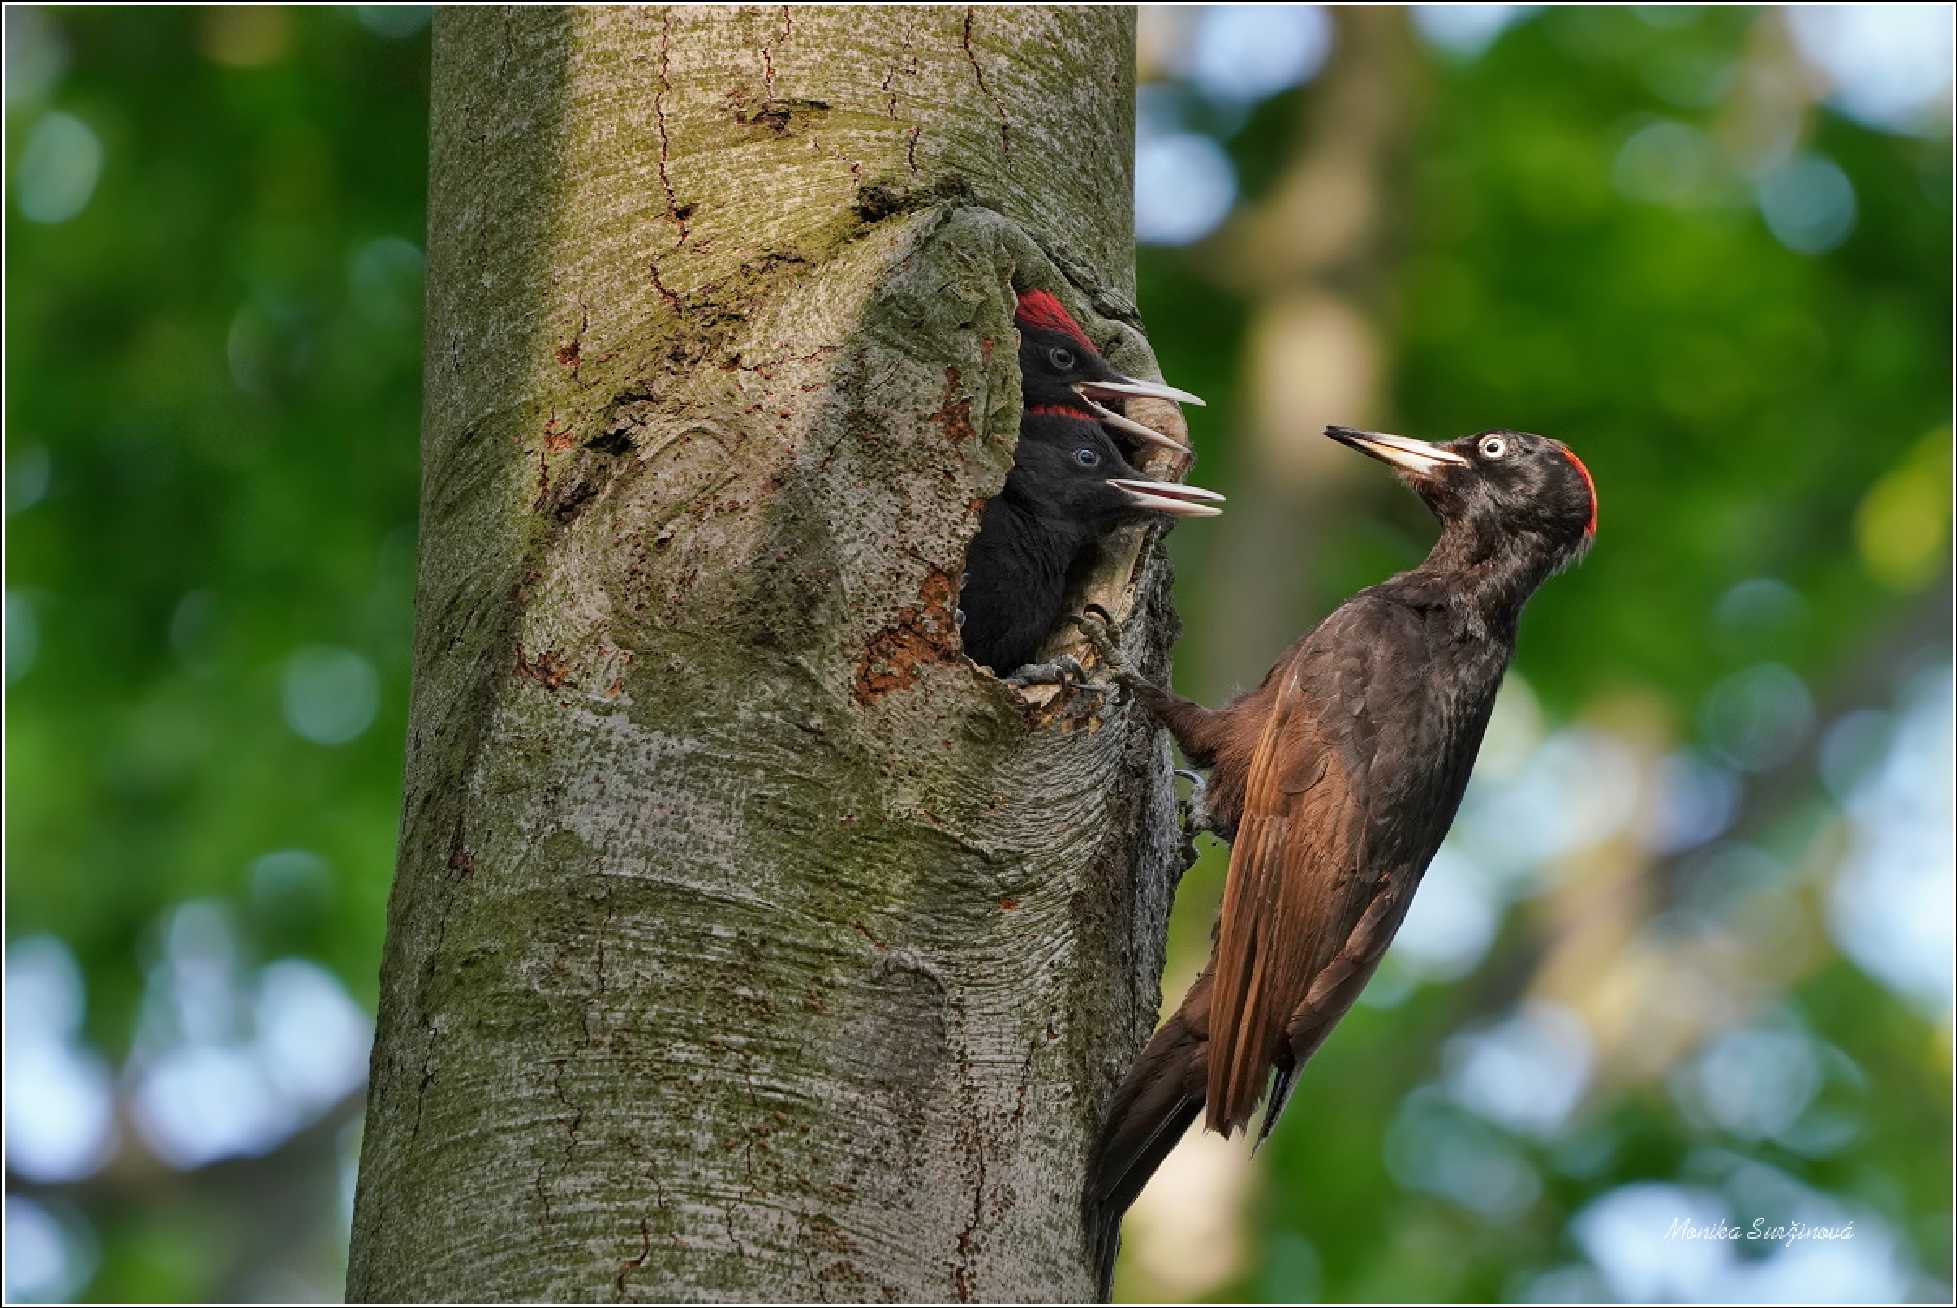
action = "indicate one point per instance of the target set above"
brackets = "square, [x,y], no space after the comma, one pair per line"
[58,169]
[1467,30]
[1625,1234]
[1694,801]
[1248,52]
[1757,717]
[1184,187]
[1889,64]
[47,1260]
[60,1113]
[246,36]
[30,470]
[1893,908]
[1526,1073]
[331,695]
[395,22]
[314,1039]
[1753,1083]
[23,636]
[1435,1147]
[1809,204]
[1761,611]
[289,880]
[386,280]
[37,54]
[1903,522]
[198,1103]
[1673,164]
[1853,748]
[1451,923]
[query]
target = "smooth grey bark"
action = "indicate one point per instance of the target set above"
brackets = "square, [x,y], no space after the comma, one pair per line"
[748,942]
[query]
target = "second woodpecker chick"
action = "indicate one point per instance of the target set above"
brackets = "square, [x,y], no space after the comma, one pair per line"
[1070,485]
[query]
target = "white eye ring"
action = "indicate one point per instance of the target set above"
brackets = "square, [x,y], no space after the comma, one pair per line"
[1494,448]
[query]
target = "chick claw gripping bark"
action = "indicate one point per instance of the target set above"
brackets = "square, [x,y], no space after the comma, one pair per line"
[1335,780]
[1069,486]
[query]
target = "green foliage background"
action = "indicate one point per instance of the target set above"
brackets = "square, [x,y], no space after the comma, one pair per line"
[211,424]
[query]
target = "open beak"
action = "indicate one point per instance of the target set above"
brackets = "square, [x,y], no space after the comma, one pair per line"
[1409,455]
[1123,386]
[1170,497]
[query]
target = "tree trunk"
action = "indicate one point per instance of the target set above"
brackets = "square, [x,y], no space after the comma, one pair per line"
[746,941]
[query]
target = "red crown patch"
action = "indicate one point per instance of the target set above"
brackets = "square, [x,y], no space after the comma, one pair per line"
[1591,529]
[1040,309]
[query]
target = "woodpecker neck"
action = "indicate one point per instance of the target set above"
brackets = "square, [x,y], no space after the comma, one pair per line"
[1488,573]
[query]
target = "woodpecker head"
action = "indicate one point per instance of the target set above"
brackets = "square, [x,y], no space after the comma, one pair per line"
[1060,369]
[1067,467]
[1514,484]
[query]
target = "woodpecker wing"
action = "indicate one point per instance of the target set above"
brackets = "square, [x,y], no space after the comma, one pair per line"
[1303,910]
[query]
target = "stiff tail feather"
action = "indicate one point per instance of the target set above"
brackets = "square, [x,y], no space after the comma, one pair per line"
[1155,1103]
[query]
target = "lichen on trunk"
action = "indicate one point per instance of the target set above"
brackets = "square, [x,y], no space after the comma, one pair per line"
[747,941]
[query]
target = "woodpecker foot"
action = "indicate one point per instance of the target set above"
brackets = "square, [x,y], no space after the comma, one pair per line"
[1196,810]
[1063,671]
[1101,631]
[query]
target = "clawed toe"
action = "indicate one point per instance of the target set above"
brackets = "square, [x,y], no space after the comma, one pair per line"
[1063,671]
[1100,630]
[1195,810]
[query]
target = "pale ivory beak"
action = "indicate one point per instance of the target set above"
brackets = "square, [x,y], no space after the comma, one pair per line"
[1145,390]
[1170,497]
[1400,451]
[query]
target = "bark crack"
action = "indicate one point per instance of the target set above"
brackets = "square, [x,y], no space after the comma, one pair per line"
[889,88]
[768,54]
[631,1265]
[571,1141]
[667,293]
[963,1276]
[978,73]
[604,979]
[464,863]
[855,165]
[762,369]
[673,210]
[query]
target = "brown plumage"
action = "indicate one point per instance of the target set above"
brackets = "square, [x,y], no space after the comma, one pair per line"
[1335,781]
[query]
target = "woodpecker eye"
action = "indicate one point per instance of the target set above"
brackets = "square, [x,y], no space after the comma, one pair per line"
[1087,457]
[1494,448]
[1061,358]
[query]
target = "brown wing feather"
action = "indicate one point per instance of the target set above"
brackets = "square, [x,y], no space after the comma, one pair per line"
[1305,918]
[1290,877]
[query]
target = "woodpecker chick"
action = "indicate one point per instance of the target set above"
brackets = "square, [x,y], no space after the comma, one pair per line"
[1060,368]
[1069,486]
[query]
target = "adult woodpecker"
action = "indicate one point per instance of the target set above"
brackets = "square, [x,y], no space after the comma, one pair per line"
[1069,486]
[1335,781]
